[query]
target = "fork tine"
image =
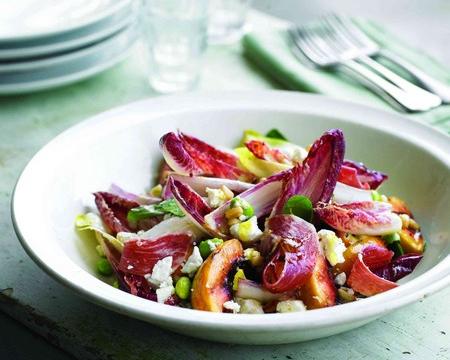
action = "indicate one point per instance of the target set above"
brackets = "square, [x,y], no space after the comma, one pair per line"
[306,46]
[352,30]
[340,33]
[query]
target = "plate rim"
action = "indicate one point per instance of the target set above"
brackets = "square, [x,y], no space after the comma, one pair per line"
[53,49]
[165,315]
[10,89]
[81,24]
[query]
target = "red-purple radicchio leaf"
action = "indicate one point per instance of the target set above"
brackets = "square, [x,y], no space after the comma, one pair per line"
[200,183]
[363,280]
[399,268]
[137,285]
[262,151]
[316,177]
[188,155]
[140,199]
[133,284]
[113,210]
[294,257]
[261,197]
[360,218]
[191,203]
[372,178]
[139,256]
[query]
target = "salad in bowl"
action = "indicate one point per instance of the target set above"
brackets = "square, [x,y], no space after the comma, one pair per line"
[266,227]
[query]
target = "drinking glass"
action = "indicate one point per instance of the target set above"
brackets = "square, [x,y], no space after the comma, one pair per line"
[227,20]
[175,32]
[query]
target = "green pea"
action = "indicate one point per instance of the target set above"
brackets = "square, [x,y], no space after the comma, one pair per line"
[376,195]
[206,247]
[391,238]
[183,287]
[397,248]
[247,208]
[104,267]
[248,211]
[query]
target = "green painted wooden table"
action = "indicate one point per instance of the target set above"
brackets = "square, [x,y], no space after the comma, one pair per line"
[87,331]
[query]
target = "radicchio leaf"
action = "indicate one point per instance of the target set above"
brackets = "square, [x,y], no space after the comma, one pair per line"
[366,178]
[113,211]
[316,177]
[137,285]
[140,199]
[173,225]
[133,284]
[262,197]
[361,218]
[200,183]
[248,289]
[191,203]
[296,246]
[344,194]
[262,151]
[363,280]
[188,155]
[139,256]
[399,268]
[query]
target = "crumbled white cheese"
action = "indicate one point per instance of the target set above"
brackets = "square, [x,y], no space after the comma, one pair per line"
[123,236]
[163,293]
[216,197]
[290,306]
[332,246]
[340,279]
[193,262]
[161,272]
[250,306]
[246,231]
[231,305]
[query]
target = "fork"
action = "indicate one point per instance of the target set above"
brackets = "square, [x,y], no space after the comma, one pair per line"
[326,48]
[359,39]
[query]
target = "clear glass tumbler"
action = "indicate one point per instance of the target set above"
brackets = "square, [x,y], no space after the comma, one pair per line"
[226,20]
[175,32]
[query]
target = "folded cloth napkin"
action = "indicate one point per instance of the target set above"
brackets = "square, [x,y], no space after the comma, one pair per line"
[270,51]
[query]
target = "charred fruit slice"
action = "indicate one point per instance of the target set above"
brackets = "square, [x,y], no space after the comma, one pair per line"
[352,251]
[412,241]
[319,290]
[210,289]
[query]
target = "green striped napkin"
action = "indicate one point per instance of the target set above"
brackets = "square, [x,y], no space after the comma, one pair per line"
[270,51]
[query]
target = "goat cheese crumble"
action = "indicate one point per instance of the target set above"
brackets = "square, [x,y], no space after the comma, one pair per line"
[246,231]
[290,306]
[161,278]
[250,306]
[161,273]
[231,305]
[332,246]
[216,197]
[193,262]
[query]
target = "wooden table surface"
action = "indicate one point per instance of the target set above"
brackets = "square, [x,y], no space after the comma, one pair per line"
[87,331]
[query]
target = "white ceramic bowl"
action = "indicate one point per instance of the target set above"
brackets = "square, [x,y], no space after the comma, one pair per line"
[121,146]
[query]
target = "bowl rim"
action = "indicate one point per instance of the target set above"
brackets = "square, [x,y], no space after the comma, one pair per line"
[68,272]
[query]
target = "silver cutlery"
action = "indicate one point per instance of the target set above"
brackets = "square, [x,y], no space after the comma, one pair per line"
[326,46]
[361,40]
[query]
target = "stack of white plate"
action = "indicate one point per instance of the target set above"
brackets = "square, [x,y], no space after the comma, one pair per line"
[48,43]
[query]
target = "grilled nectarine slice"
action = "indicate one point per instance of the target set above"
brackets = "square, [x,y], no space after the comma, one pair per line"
[210,289]
[319,290]
[352,251]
